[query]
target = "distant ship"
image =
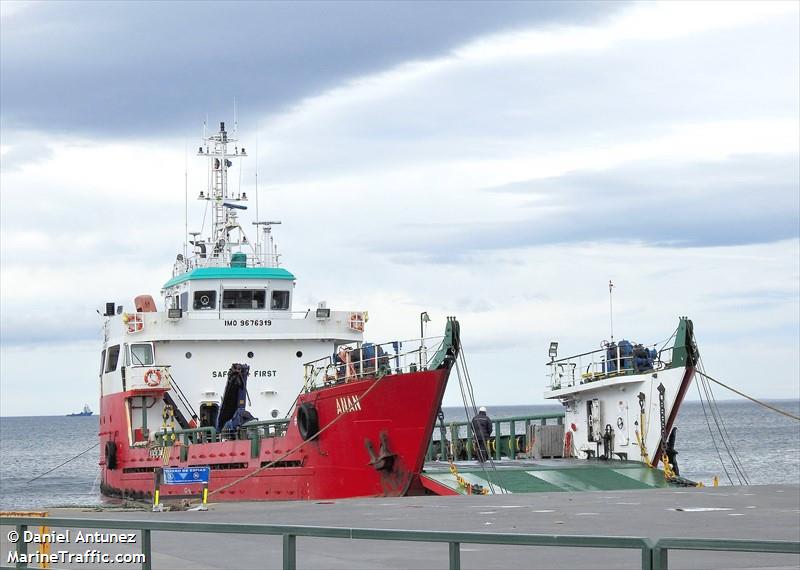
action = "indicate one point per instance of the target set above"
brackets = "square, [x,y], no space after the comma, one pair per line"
[87,411]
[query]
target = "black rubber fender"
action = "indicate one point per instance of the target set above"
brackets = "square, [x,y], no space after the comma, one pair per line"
[307,420]
[111,455]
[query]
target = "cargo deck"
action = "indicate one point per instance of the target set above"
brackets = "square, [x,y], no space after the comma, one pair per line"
[541,476]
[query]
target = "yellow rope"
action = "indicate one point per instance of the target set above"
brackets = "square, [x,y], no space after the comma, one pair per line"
[470,488]
[640,439]
[669,473]
[760,403]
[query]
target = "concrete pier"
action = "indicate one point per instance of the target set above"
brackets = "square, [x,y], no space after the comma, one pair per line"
[755,512]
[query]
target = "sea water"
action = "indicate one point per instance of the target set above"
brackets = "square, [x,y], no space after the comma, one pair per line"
[767,444]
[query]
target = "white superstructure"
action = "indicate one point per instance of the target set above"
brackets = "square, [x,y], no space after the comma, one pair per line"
[228,301]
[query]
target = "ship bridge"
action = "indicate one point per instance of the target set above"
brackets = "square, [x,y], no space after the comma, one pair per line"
[209,291]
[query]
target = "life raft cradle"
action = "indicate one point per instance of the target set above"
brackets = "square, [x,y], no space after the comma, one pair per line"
[134,322]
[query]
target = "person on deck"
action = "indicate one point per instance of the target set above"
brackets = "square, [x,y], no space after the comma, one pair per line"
[482,426]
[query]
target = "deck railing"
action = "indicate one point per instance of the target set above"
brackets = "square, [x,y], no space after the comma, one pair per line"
[356,361]
[254,431]
[509,437]
[654,552]
[597,365]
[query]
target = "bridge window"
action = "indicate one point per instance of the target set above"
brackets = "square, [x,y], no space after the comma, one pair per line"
[243,299]
[205,300]
[142,354]
[280,301]
[113,358]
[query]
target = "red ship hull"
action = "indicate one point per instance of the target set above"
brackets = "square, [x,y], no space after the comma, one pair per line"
[373,435]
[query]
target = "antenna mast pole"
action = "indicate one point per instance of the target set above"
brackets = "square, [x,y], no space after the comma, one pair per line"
[611,307]
[258,236]
[185,199]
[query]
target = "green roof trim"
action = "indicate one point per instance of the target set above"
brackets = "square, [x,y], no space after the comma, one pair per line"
[231,273]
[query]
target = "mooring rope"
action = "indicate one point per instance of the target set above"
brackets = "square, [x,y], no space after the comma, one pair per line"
[737,462]
[754,400]
[301,445]
[61,465]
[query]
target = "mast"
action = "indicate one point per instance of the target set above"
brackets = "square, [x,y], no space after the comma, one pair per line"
[271,257]
[611,307]
[227,236]
[226,233]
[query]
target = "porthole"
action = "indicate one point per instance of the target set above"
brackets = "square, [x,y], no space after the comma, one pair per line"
[274,413]
[250,354]
[299,354]
[188,355]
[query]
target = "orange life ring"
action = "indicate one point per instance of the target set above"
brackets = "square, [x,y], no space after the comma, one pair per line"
[152,377]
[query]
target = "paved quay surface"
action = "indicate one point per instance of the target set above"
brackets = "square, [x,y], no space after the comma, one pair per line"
[757,512]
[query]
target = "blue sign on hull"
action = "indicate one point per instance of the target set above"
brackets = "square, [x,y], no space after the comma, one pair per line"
[185,475]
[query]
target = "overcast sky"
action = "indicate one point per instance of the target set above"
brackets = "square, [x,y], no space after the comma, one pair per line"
[495,161]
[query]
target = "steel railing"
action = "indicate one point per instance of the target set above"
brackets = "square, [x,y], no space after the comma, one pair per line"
[596,365]
[654,552]
[456,439]
[350,362]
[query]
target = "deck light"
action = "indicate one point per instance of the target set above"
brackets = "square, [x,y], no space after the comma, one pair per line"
[553,352]
[323,312]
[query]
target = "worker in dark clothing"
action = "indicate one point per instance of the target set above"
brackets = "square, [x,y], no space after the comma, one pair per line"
[482,426]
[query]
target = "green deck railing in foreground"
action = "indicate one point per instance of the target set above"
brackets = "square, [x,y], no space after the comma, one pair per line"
[653,552]
[505,441]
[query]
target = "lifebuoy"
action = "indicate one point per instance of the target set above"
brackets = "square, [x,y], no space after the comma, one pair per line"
[307,421]
[152,377]
[111,455]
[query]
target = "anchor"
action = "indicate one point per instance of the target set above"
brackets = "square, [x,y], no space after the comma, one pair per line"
[384,460]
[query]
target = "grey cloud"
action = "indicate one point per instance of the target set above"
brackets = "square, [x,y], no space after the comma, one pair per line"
[747,199]
[130,68]
[635,90]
